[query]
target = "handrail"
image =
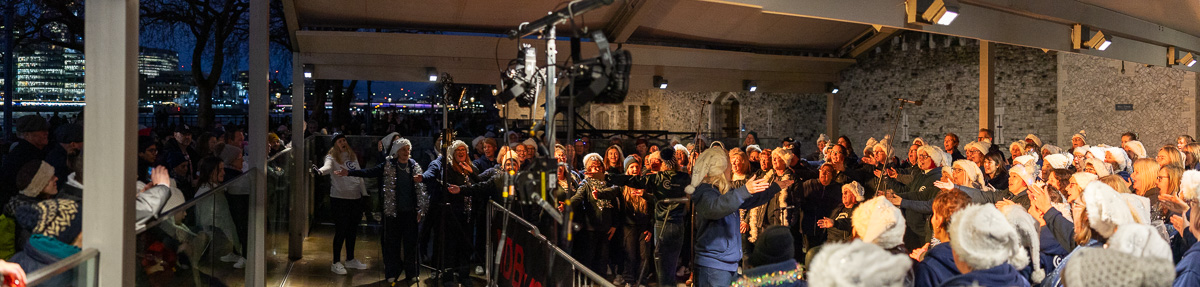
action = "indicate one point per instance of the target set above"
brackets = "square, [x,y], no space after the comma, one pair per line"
[216,190]
[49,271]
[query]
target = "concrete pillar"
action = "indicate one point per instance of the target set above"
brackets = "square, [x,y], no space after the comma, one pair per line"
[260,76]
[832,113]
[987,87]
[111,30]
[298,219]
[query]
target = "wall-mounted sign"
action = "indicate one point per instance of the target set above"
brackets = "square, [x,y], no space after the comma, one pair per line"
[1124,107]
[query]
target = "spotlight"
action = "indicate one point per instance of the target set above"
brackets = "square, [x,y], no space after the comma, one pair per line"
[1180,57]
[433,74]
[521,81]
[603,79]
[308,71]
[940,12]
[831,88]
[1098,41]
[660,82]
[749,85]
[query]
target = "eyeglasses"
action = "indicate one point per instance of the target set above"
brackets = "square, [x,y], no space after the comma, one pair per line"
[922,156]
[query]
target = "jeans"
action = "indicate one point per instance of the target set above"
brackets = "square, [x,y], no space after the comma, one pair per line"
[347,215]
[669,238]
[707,276]
[637,253]
[399,245]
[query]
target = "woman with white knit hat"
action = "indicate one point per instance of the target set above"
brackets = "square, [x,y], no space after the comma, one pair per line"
[1015,149]
[1135,149]
[1028,261]
[879,222]
[930,160]
[858,263]
[716,204]
[984,243]
[1098,211]
[838,227]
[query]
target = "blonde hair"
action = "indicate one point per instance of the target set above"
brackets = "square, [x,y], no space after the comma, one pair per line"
[1174,156]
[1146,170]
[1116,182]
[337,152]
[716,175]
[1192,149]
[745,166]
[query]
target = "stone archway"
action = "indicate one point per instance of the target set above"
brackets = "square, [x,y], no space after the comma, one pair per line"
[602,120]
[726,116]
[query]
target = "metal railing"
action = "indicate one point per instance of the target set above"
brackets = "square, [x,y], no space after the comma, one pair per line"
[529,250]
[78,270]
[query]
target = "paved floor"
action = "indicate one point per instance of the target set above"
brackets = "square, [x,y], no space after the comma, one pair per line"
[313,269]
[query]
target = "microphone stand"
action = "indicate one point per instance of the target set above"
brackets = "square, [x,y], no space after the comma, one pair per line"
[891,146]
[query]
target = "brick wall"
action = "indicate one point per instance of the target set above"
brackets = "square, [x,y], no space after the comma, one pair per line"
[1163,99]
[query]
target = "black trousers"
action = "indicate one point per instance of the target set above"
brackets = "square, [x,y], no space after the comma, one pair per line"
[400,245]
[239,209]
[347,214]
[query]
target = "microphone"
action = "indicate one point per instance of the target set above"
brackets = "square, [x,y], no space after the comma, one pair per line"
[903,100]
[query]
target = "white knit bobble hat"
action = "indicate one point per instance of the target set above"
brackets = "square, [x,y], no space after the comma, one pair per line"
[1027,228]
[878,221]
[1140,240]
[712,162]
[982,237]
[1105,207]
[858,263]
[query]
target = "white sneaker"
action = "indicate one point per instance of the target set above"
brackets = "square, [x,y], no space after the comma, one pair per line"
[478,270]
[240,263]
[355,264]
[338,269]
[230,258]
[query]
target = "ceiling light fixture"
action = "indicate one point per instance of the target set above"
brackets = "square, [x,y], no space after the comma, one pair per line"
[1083,38]
[940,12]
[433,73]
[750,85]
[660,83]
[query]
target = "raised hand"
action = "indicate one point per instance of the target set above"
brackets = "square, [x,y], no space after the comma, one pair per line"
[891,197]
[825,223]
[944,185]
[757,185]
[1173,203]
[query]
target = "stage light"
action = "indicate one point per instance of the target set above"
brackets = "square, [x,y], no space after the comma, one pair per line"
[660,82]
[1180,57]
[1097,40]
[749,85]
[433,74]
[308,71]
[940,12]
[831,88]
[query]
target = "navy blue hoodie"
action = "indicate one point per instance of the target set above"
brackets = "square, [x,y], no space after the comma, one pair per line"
[1188,269]
[718,240]
[936,268]
[1003,275]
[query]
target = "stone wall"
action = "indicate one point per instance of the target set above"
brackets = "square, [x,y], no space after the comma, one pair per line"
[944,74]
[1163,99]
[771,115]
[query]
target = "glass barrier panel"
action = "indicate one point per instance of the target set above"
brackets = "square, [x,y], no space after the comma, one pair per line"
[77,270]
[199,243]
[279,187]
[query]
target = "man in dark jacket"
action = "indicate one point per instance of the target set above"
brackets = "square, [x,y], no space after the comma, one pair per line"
[180,141]
[70,142]
[816,198]
[669,216]
[34,134]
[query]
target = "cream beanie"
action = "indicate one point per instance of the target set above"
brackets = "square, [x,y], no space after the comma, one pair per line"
[1106,209]
[1140,240]
[858,263]
[982,237]
[1101,168]
[1084,178]
[712,162]
[40,179]
[935,154]
[879,222]
[1091,266]
[1036,140]
[1137,148]
[1027,228]
[855,189]
[1057,161]
[983,147]
[1189,185]
[867,148]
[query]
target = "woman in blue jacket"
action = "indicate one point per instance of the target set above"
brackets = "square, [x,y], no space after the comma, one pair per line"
[716,203]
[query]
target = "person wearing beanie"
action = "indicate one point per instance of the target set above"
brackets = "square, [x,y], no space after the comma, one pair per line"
[716,202]
[879,222]
[594,200]
[921,188]
[976,150]
[449,209]
[669,224]
[937,263]
[345,195]
[57,226]
[404,204]
[869,149]
[613,157]
[837,225]
[1140,240]
[858,263]
[1135,149]
[35,184]
[1057,161]
[1079,140]
[1033,139]
[771,263]
[983,243]
[1095,266]
[777,211]
[1098,211]
[34,137]
[1029,261]
[751,139]
[818,154]
[1020,178]
[636,226]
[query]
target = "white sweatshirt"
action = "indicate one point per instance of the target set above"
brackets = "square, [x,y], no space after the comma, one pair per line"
[343,187]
